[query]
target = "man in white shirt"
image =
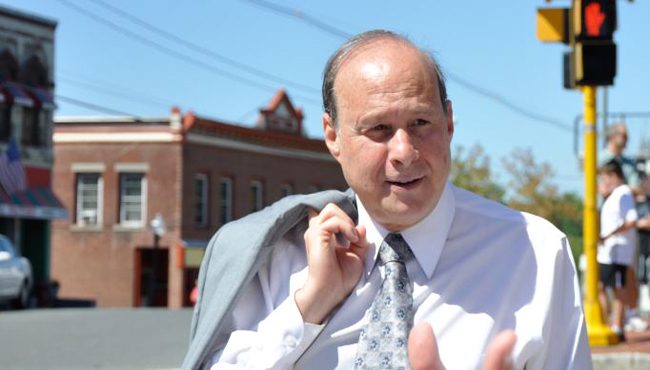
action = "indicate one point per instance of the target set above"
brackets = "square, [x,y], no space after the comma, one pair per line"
[496,286]
[618,217]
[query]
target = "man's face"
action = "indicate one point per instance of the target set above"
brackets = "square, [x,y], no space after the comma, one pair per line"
[620,139]
[393,137]
[607,183]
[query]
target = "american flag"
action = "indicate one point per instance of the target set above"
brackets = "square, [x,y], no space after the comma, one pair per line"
[12,173]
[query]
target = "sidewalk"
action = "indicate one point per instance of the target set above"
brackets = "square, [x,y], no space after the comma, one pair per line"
[632,354]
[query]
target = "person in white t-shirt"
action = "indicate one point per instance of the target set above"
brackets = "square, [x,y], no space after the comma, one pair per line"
[618,218]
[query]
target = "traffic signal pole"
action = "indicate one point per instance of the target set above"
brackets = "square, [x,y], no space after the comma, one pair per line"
[599,332]
[587,27]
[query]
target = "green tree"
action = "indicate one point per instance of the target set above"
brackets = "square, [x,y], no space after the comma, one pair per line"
[471,171]
[533,192]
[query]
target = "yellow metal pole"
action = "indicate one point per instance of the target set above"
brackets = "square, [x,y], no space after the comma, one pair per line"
[599,333]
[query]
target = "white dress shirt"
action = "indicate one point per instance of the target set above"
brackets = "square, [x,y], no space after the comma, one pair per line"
[618,209]
[480,268]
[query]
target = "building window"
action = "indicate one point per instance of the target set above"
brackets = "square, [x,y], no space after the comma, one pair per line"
[225,200]
[256,196]
[286,190]
[133,199]
[89,199]
[31,133]
[201,197]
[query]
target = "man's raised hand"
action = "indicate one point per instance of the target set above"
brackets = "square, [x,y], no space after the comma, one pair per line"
[424,355]
[334,269]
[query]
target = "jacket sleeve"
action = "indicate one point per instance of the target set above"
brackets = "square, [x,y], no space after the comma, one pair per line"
[266,330]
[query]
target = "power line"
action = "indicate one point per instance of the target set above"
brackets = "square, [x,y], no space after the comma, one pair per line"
[476,89]
[95,107]
[113,93]
[522,111]
[174,53]
[294,13]
[205,51]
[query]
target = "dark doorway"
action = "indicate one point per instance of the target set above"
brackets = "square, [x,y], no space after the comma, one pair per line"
[35,236]
[144,265]
[190,277]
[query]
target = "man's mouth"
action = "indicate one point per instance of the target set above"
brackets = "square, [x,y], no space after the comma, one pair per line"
[405,184]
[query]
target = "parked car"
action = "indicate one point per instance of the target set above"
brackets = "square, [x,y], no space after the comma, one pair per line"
[15,275]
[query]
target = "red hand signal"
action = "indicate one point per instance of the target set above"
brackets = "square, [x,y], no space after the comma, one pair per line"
[594,18]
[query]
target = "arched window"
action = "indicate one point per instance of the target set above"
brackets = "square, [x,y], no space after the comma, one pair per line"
[33,72]
[8,72]
[8,66]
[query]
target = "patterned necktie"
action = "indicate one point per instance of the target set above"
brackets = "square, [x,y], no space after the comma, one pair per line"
[383,339]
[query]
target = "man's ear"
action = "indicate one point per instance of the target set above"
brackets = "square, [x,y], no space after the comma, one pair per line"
[331,136]
[450,120]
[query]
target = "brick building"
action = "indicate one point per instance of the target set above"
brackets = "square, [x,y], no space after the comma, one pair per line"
[115,175]
[27,203]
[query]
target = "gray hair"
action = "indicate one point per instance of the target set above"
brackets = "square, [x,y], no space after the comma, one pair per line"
[336,60]
[615,129]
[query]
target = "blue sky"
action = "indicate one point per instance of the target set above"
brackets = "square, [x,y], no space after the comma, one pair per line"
[490,44]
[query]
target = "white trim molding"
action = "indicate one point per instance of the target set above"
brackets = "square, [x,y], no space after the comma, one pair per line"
[132,167]
[116,137]
[255,148]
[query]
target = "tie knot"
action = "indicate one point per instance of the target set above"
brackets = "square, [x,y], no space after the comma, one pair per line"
[394,249]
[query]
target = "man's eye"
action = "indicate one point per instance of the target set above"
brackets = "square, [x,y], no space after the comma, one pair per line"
[421,122]
[380,128]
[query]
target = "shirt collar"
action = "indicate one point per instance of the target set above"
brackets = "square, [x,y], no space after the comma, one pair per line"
[426,238]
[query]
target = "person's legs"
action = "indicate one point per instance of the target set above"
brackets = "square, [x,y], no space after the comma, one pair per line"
[604,302]
[631,288]
[618,309]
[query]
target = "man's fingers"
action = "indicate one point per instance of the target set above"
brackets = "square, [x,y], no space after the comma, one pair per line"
[499,354]
[423,349]
[333,220]
[360,248]
[336,225]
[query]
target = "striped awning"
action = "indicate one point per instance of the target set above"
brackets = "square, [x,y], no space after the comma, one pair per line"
[36,202]
[14,93]
[44,99]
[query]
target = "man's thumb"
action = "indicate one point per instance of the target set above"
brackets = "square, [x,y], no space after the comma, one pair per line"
[423,348]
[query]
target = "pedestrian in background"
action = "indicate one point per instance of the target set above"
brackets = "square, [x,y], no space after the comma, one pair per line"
[618,218]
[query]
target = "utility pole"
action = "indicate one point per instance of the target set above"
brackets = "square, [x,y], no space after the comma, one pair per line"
[588,28]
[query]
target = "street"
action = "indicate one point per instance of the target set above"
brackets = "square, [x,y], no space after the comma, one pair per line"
[94,338]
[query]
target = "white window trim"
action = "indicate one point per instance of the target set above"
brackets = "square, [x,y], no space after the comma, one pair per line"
[204,209]
[228,201]
[259,196]
[143,211]
[100,200]
[132,167]
[88,167]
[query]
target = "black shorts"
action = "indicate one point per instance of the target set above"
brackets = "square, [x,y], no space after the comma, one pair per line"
[613,275]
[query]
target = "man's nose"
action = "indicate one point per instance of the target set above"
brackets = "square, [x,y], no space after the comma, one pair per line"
[402,148]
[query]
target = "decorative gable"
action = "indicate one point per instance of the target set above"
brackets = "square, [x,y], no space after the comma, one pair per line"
[281,116]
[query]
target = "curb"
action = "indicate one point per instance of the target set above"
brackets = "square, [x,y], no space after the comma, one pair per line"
[621,361]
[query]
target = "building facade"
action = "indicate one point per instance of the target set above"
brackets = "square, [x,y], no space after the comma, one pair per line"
[196,173]
[27,203]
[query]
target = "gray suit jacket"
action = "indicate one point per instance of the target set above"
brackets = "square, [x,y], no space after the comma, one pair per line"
[234,256]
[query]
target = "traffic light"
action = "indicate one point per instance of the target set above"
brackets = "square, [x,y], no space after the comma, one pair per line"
[594,20]
[592,60]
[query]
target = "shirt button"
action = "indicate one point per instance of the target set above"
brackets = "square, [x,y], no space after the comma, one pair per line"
[290,341]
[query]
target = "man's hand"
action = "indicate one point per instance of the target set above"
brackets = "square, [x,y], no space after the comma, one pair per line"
[334,269]
[423,350]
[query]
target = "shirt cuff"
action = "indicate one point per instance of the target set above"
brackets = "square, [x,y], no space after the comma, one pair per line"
[286,332]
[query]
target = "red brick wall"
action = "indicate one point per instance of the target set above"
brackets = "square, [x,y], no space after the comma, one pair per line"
[243,167]
[100,265]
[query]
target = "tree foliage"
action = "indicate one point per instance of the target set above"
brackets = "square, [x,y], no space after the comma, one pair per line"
[533,192]
[471,171]
[530,188]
